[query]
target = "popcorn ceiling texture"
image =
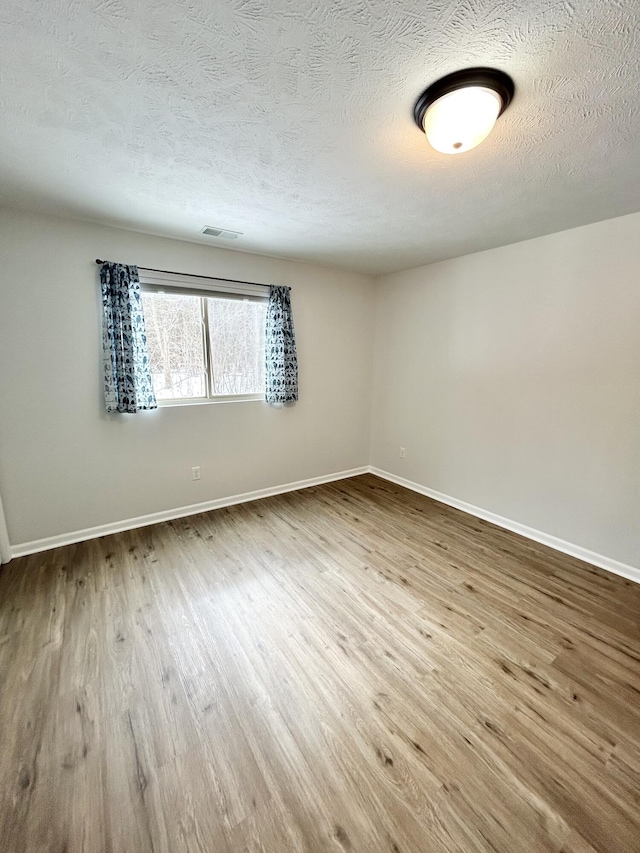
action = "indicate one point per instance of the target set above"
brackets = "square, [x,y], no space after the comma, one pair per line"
[291,121]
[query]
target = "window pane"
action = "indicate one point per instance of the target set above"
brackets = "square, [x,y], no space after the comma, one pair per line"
[236,333]
[176,350]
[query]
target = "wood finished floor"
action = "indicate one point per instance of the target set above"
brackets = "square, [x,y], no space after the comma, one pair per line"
[349,668]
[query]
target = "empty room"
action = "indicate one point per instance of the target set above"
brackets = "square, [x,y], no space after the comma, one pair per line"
[320,426]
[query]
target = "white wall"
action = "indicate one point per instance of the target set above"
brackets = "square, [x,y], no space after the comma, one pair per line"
[5,545]
[512,378]
[66,465]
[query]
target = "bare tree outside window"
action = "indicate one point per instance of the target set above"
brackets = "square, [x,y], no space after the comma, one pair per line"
[184,365]
[236,341]
[175,345]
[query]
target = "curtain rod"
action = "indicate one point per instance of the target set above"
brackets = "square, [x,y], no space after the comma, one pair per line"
[194,275]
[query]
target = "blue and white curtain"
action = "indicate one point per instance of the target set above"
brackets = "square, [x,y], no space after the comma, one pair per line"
[280,348]
[127,380]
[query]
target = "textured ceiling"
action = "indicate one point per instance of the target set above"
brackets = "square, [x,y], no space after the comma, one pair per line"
[291,120]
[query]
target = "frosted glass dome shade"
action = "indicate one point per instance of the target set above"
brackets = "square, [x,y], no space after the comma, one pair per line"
[462,119]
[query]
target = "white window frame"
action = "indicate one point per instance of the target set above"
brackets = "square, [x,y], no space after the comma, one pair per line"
[191,285]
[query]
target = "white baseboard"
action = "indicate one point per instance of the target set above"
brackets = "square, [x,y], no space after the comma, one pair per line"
[629,572]
[179,512]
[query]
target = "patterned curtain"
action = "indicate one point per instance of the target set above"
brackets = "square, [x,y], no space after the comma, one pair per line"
[280,349]
[127,381]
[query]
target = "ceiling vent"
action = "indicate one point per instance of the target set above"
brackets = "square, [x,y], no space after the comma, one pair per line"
[223,233]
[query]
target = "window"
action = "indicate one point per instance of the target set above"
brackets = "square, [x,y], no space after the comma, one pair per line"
[204,345]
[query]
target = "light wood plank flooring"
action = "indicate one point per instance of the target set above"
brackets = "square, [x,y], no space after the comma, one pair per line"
[349,668]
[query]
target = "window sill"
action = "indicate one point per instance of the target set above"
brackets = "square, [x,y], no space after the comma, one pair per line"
[236,398]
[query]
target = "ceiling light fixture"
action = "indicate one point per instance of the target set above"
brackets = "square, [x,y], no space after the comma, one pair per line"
[459,111]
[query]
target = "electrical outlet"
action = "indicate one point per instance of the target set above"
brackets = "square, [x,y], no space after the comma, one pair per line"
[195,472]
[403,453]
